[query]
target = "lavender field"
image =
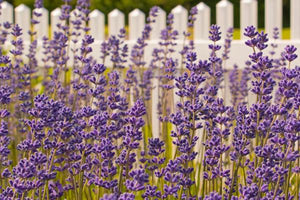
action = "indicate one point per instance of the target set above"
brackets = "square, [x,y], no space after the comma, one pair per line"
[77,124]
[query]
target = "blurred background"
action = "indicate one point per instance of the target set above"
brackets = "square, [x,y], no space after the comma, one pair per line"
[128,5]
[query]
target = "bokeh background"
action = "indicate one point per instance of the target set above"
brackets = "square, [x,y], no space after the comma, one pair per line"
[128,5]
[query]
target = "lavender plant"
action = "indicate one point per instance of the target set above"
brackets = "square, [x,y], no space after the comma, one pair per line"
[83,134]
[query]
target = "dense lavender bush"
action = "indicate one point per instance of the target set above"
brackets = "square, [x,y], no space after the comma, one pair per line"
[72,127]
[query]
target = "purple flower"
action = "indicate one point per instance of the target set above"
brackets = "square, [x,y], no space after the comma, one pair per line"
[290,53]
[214,33]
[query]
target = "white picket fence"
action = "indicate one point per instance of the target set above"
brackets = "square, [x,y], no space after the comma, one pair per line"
[116,20]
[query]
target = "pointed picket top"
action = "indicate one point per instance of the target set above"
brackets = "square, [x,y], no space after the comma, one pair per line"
[22,18]
[248,1]
[116,21]
[21,7]
[136,12]
[273,16]
[295,18]
[6,12]
[248,15]
[42,28]
[97,25]
[159,24]
[96,13]
[55,14]
[136,24]
[180,20]
[202,6]
[202,22]
[224,16]
[223,3]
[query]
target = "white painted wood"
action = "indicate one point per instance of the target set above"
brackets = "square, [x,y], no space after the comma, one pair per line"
[116,21]
[22,18]
[6,12]
[136,24]
[180,20]
[97,25]
[97,30]
[248,15]
[224,16]
[6,15]
[295,19]
[155,116]
[158,25]
[202,22]
[55,14]
[273,16]
[42,28]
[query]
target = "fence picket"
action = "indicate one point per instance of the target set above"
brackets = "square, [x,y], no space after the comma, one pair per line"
[295,19]
[248,15]
[158,25]
[75,27]
[55,14]
[224,16]
[42,28]
[180,20]
[116,21]
[273,16]
[136,24]
[202,22]
[97,25]
[22,17]
[6,12]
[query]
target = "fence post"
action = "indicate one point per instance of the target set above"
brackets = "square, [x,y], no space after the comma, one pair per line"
[96,25]
[273,16]
[42,28]
[136,24]
[6,12]
[202,22]
[295,19]
[180,20]
[248,15]
[22,18]
[116,21]
[55,14]
[224,16]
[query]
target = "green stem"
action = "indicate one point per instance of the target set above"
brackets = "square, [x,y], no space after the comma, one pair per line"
[50,166]
[234,177]
[288,182]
